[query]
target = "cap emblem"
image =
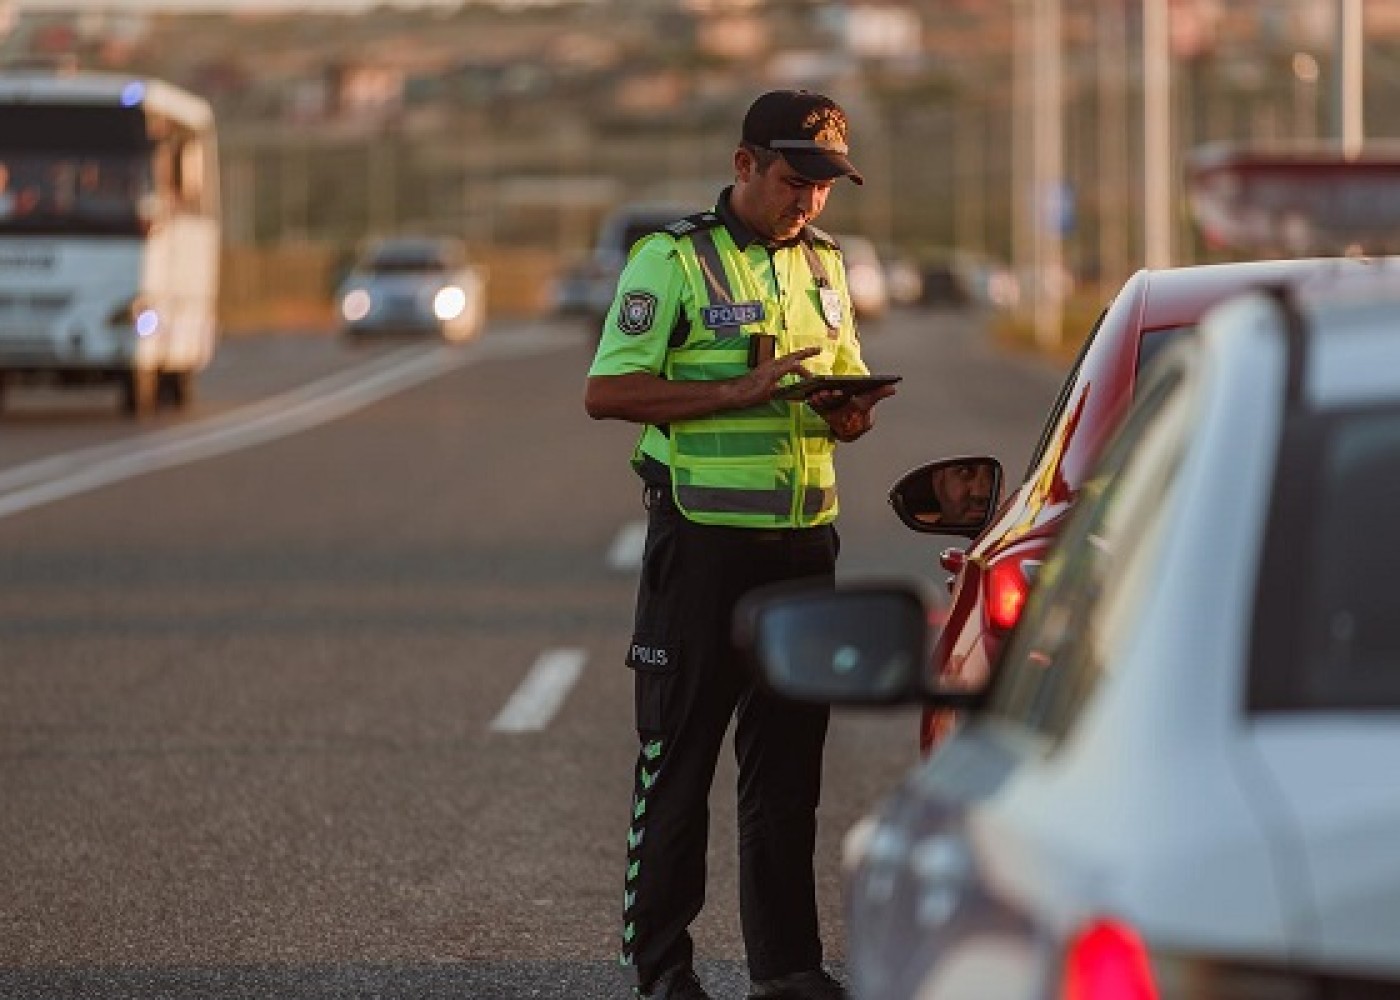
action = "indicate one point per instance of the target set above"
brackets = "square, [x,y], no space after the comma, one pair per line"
[828,127]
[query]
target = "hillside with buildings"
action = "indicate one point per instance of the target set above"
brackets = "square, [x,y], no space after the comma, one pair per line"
[521,125]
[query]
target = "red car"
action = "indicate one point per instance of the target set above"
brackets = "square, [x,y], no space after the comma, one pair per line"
[992,578]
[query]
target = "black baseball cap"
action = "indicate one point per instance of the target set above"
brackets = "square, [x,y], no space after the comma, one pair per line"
[808,129]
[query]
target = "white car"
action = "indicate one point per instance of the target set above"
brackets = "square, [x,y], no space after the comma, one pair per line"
[865,277]
[413,285]
[1181,780]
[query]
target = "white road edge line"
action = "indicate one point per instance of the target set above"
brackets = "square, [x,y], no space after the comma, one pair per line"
[542,692]
[627,547]
[46,480]
[220,440]
[48,469]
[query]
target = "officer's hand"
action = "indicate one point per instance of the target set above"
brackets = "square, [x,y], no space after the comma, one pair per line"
[849,416]
[759,384]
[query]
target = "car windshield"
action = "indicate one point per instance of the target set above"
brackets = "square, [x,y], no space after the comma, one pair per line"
[1092,588]
[1327,636]
[66,193]
[407,260]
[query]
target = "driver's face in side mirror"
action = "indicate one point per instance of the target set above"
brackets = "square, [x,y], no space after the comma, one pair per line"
[953,497]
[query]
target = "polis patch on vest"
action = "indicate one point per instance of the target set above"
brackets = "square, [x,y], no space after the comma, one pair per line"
[736,314]
[636,312]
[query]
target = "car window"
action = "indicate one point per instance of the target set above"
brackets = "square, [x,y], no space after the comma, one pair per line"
[1052,421]
[410,258]
[1327,635]
[1093,584]
[401,265]
[1153,342]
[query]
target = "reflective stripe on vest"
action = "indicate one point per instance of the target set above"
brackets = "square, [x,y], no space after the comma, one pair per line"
[815,500]
[716,280]
[764,466]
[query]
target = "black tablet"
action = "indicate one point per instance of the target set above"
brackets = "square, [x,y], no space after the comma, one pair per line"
[851,385]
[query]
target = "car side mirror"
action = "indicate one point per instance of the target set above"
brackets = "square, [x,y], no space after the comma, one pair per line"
[955,496]
[861,644]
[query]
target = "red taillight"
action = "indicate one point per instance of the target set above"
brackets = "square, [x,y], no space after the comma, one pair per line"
[1107,961]
[1008,583]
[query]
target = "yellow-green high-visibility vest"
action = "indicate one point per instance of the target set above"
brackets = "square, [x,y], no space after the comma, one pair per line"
[769,465]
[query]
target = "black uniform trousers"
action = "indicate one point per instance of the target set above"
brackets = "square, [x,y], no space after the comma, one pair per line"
[690,682]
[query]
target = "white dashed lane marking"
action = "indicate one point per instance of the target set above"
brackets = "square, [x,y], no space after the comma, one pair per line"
[542,692]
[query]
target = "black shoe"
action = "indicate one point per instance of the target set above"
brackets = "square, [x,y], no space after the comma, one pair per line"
[816,984]
[676,984]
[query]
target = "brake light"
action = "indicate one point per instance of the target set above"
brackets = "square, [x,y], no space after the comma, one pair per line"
[1107,961]
[1008,583]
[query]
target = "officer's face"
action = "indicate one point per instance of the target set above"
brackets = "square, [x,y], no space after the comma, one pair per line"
[778,201]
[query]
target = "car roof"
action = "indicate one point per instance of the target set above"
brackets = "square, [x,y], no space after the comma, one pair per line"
[1351,352]
[1105,382]
[412,248]
[1178,296]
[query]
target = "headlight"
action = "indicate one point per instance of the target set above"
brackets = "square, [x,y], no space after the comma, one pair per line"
[355,305]
[135,315]
[449,303]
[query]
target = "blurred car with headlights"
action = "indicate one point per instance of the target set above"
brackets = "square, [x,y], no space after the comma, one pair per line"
[903,277]
[413,285]
[1179,781]
[865,277]
[991,579]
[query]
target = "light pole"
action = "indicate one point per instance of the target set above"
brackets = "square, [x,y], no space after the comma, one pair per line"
[1350,111]
[1046,190]
[1113,151]
[1157,135]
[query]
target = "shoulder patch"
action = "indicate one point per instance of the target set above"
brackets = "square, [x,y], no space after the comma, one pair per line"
[822,237]
[636,311]
[692,224]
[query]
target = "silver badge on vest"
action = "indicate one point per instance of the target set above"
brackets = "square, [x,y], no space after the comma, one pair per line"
[833,309]
[735,314]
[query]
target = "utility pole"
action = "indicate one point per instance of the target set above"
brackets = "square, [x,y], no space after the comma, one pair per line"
[1022,198]
[1113,151]
[1349,124]
[1157,135]
[1048,184]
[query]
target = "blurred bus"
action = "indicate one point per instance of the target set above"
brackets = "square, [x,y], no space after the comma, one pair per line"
[1300,199]
[109,235]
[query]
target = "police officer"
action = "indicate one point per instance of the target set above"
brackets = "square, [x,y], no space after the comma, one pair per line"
[712,315]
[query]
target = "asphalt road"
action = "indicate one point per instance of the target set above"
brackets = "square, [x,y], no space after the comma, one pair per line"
[254,661]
